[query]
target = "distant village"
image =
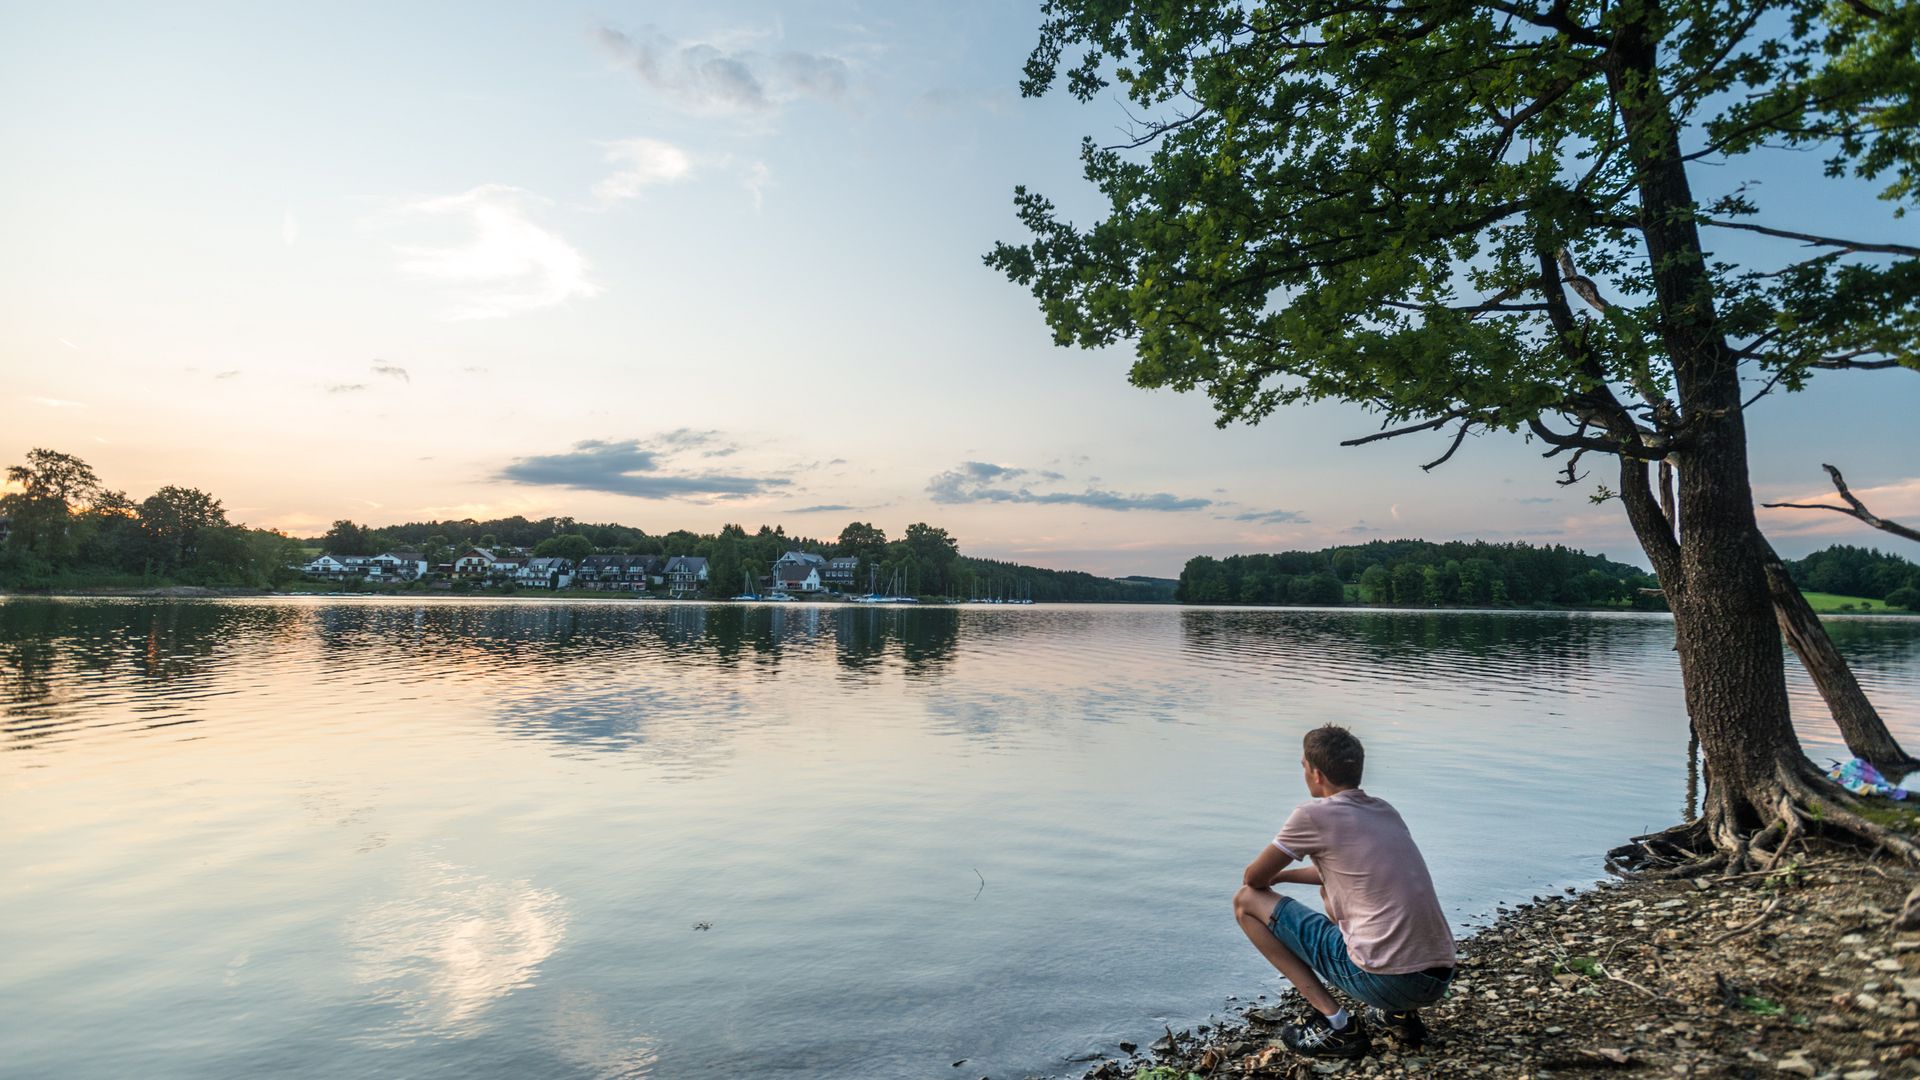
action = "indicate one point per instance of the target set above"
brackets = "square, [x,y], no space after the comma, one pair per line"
[795,573]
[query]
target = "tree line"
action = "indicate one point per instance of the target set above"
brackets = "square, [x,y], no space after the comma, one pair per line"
[1417,573]
[1857,571]
[67,529]
[924,561]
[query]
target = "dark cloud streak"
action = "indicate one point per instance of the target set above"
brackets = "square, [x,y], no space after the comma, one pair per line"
[975,482]
[633,468]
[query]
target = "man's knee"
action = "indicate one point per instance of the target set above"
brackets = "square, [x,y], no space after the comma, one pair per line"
[1258,903]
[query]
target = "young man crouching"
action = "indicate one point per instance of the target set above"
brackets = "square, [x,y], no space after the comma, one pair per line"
[1384,939]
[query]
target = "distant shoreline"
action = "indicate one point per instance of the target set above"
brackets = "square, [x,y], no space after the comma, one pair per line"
[222,592]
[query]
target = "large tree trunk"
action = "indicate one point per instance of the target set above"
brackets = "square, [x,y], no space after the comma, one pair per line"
[1761,788]
[1713,574]
[1859,722]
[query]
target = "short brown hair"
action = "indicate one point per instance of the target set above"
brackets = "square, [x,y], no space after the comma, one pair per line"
[1336,753]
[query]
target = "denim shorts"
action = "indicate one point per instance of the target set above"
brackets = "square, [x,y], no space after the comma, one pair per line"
[1316,939]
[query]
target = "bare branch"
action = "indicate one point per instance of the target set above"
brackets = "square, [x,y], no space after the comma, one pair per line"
[1765,390]
[1816,241]
[1854,509]
[1394,433]
[1458,438]
[1848,363]
[1466,309]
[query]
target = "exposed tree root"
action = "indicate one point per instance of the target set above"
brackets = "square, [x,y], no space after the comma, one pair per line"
[1727,838]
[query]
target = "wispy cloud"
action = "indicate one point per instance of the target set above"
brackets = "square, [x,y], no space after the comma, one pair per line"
[57,403]
[68,344]
[711,78]
[346,388]
[758,179]
[230,373]
[507,265]
[823,508]
[640,468]
[289,228]
[643,163]
[391,371]
[983,481]
[1273,517]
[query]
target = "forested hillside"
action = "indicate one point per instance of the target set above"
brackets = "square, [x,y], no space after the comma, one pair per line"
[1417,573]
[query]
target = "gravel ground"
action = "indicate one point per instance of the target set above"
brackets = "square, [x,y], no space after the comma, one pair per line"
[1797,972]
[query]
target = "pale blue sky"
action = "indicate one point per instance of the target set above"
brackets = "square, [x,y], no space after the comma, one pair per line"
[390,262]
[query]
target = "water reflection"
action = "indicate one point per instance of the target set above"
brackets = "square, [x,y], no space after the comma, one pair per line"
[61,664]
[468,837]
[443,955]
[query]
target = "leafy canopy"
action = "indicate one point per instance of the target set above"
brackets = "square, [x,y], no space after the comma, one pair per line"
[1388,203]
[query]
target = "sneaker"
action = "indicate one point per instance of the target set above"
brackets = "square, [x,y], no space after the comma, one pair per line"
[1316,1038]
[1405,1028]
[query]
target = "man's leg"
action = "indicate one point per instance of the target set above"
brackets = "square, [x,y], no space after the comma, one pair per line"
[1253,909]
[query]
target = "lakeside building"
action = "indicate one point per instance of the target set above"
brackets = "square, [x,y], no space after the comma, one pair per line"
[682,576]
[840,571]
[686,575]
[331,566]
[799,558]
[473,562]
[797,578]
[545,573]
[627,573]
[405,565]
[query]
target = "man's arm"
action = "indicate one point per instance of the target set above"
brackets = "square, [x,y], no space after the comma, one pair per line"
[1300,875]
[1269,868]
[1266,867]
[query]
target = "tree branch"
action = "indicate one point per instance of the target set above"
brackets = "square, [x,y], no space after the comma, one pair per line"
[1848,363]
[1458,438]
[1424,425]
[1816,241]
[1854,509]
[1651,526]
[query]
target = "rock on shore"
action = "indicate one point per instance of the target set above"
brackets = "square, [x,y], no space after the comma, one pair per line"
[1798,972]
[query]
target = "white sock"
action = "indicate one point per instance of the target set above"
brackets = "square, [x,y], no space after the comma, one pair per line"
[1338,1021]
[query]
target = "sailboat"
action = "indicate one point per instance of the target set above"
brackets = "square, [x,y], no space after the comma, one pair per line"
[891,596]
[746,586]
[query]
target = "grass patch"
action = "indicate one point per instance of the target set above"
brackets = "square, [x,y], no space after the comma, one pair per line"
[1578,965]
[1890,814]
[1760,1006]
[1834,603]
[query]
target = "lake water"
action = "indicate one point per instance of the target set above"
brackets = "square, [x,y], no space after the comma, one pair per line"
[329,838]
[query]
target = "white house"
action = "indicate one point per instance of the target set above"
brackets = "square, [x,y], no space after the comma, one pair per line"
[326,566]
[545,573]
[804,579]
[686,574]
[799,558]
[405,565]
[474,562]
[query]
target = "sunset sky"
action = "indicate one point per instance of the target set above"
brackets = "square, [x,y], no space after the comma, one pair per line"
[676,265]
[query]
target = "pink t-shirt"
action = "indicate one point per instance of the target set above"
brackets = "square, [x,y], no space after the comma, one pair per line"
[1376,885]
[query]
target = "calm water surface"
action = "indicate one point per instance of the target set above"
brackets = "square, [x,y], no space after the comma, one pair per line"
[331,838]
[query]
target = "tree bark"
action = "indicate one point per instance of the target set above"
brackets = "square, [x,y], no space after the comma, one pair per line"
[1731,663]
[1859,722]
